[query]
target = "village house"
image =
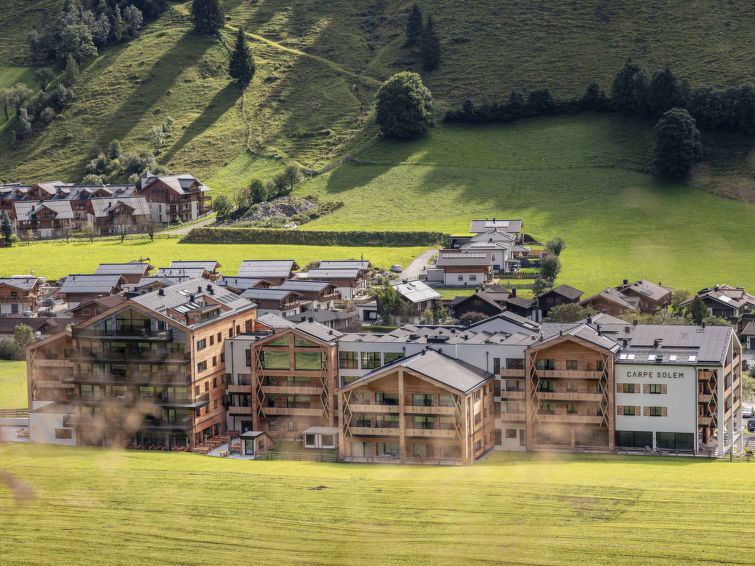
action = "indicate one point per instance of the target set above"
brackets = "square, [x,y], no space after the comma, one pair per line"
[651,297]
[350,282]
[94,307]
[726,302]
[120,215]
[212,266]
[748,334]
[416,298]
[41,326]
[175,198]
[19,294]
[43,219]
[612,302]
[240,284]
[273,271]
[276,301]
[341,320]
[561,295]
[132,272]
[460,268]
[83,287]
[314,295]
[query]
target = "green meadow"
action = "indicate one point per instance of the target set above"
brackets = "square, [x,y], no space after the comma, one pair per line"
[86,506]
[13,385]
[57,259]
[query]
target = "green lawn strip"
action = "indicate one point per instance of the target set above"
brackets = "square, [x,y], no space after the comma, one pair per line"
[512,508]
[57,259]
[13,385]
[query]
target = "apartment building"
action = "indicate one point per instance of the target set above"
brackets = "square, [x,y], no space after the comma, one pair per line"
[43,219]
[175,198]
[151,370]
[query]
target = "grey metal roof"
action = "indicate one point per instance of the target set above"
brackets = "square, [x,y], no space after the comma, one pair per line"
[239,282]
[131,268]
[417,291]
[526,325]
[209,265]
[274,321]
[493,236]
[333,274]
[463,259]
[749,330]
[267,294]
[182,183]
[319,331]
[551,331]
[477,226]
[614,296]
[24,283]
[345,264]
[252,434]
[646,289]
[104,207]
[565,291]
[167,281]
[267,268]
[323,315]
[192,273]
[86,283]
[27,210]
[304,285]
[454,373]
[321,430]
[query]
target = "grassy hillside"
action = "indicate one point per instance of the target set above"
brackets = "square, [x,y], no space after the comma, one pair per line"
[13,385]
[17,19]
[93,506]
[56,259]
[583,178]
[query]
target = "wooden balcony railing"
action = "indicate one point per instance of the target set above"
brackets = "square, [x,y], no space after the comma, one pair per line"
[239,410]
[431,432]
[511,417]
[569,373]
[569,396]
[239,388]
[512,372]
[512,394]
[291,390]
[704,397]
[704,421]
[296,412]
[434,410]
[374,431]
[573,419]
[372,408]
[55,363]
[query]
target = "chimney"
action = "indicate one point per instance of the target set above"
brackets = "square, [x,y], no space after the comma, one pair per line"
[513,292]
[191,298]
[599,334]
[161,292]
[209,287]
[657,342]
[199,289]
[626,281]
[310,319]
[589,319]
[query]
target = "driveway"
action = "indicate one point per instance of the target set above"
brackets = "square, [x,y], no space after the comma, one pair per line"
[415,268]
[187,229]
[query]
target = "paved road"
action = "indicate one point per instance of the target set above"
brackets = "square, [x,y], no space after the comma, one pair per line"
[187,229]
[414,269]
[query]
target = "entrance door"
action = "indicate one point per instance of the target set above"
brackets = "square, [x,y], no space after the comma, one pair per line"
[249,447]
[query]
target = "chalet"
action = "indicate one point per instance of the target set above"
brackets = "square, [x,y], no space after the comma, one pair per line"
[79,288]
[427,407]
[240,284]
[18,294]
[314,294]
[459,268]
[45,190]
[272,321]
[277,301]
[275,271]
[43,219]
[526,308]
[341,320]
[212,266]
[612,302]
[42,326]
[182,273]
[726,302]
[651,297]
[481,302]
[748,334]
[10,194]
[416,298]
[94,307]
[350,282]
[132,271]
[175,198]
[119,215]
[561,295]
[500,230]
[155,282]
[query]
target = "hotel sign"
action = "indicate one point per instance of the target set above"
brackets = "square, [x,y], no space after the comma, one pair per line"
[654,374]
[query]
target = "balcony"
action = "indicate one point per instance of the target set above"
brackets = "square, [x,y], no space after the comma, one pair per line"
[704,421]
[294,412]
[511,417]
[431,432]
[52,363]
[512,372]
[239,388]
[239,410]
[374,431]
[291,390]
[572,419]
[511,394]
[123,333]
[135,377]
[569,396]
[432,410]
[569,374]
[704,397]
[372,408]
[137,357]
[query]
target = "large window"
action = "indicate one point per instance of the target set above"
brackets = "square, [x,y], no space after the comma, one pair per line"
[422,400]
[308,360]
[656,388]
[547,386]
[279,342]
[274,360]
[386,398]
[634,439]
[423,421]
[627,387]
[546,364]
[201,344]
[629,411]
[348,360]
[656,411]
[370,360]
[548,408]
[302,343]
[389,357]
[446,400]
[571,364]
[571,409]
[675,440]
[390,449]
[514,363]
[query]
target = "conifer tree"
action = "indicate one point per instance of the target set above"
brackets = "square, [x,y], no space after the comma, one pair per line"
[414,26]
[207,16]
[429,46]
[241,65]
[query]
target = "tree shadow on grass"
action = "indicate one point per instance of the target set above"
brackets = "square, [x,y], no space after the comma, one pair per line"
[218,106]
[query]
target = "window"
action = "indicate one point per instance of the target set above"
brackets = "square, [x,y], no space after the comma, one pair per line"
[386,398]
[634,439]
[473,277]
[628,411]
[627,388]
[196,390]
[548,408]
[547,386]
[515,363]
[201,366]
[215,404]
[478,445]
[571,364]
[370,360]
[201,344]
[230,333]
[389,357]
[348,360]
[212,340]
[496,366]
[274,360]
[85,312]
[460,278]
[214,361]
[308,360]
[675,440]
[656,411]
[656,388]
[600,365]
[309,440]
[445,400]
[424,421]
[546,364]
[291,426]
[222,357]
[571,409]
[248,326]
[279,342]
[571,387]
[214,382]
[206,386]
[220,337]
[510,433]
[63,433]
[422,400]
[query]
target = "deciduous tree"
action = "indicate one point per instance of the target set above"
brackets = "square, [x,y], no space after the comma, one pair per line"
[404,106]
[677,143]
[44,77]
[550,267]
[556,245]
[629,89]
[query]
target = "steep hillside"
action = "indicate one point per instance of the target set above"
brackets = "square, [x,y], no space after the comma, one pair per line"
[319,65]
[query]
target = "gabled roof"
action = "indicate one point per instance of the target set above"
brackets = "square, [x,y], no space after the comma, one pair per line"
[181,272]
[749,330]
[257,294]
[345,264]
[565,291]
[209,265]
[645,288]
[108,302]
[323,315]
[478,226]
[478,296]
[90,284]
[554,331]
[23,283]
[333,274]
[493,236]
[27,210]
[319,331]
[240,282]
[734,297]
[130,268]
[262,268]
[614,296]
[104,207]
[470,259]
[429,363]
[303,285]
[180,183]
[417,292]
[525,324]
[43,325]
[272,320]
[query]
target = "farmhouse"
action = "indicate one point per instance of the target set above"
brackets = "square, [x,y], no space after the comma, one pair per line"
[175,198]
[19,293]
[726,302]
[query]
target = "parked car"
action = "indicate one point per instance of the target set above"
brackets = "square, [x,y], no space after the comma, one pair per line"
[751,425]
[747,412]
[48,303]
[396,268]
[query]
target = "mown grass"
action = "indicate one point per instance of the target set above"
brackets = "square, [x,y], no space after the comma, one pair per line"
[13,385]
[96,506]
[57,259]
[586,178]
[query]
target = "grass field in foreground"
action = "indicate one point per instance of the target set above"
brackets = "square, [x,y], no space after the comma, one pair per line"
[56,259]
[582,177]
[95,506]
[13,385]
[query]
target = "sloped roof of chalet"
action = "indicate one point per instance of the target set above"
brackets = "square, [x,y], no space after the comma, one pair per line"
[103,207]
[646,289]
[23,283]
[551,331]
[478,296]
[50,186]
[454,373]
[345,264]
[263,268]
[239,282]
[493,236]
[14,192]
[463,259]
[179,183]
[485,246]
[611,294]
[319,331]
[274,321]
[565,291]
[257,294]
[521,302]
[333,274]
[27,210]
[749,330]
[166,281]
[303,285]
[209,265]
[108,302]
[605,318]
[43,325]
[191,273]
[323,315]
[90,283]
[417,291]
[735,297]
[130,268]
[478,226]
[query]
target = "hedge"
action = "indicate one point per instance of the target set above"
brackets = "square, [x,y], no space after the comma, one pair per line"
[313,237]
